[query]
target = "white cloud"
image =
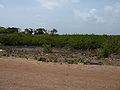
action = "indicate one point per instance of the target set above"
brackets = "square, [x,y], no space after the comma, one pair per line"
[108,8]
[89,16]
[115,8]
[112,13]
[1,6]
[92,11]
[51,4]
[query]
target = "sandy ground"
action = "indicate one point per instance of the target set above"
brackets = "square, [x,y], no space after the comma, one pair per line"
[23,74]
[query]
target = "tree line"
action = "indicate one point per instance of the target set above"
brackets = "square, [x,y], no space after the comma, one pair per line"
[38,31]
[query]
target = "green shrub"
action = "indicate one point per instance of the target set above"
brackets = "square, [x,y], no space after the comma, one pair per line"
[70,62]
[100,63]
[81,60]
[87,62]
[49,60]
[41,59]
[47,48]
[54,59]
[4,54]
[105,44]
[75,61]
[103,52]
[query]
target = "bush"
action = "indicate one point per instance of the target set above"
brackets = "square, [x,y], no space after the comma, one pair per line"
[111,45]
[87,62]
[54,59]
[81,60]
[104,44]
[100,63]
[103,52]
[69,61]
[47,48]
[4,54]
[75,61]
[41,59]
[48,60]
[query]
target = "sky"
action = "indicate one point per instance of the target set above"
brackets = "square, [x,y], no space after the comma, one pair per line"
[67,16]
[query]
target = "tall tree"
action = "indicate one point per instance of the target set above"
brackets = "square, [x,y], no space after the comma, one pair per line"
[54,31]
[40,31]
[29,31]
[13,30]
[9,30]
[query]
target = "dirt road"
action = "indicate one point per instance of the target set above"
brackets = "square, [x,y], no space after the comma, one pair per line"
[23,74]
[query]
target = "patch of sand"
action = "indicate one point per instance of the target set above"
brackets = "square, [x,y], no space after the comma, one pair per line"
[23,74]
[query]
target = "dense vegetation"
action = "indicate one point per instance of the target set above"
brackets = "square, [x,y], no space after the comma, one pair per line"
[103,44]
[75,61]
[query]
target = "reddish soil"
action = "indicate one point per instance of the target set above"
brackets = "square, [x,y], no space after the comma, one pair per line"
[23,74]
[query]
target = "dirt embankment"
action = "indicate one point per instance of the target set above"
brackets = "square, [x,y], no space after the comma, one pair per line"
[23,74]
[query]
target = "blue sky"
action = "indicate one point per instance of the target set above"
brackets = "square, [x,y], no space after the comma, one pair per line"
[68,16]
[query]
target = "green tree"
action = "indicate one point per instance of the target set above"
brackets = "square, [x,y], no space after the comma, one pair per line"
[54,31]
[29,31]
[40,31]
[13,30]
[9,30]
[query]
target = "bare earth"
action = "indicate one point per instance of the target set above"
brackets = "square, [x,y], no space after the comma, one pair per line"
[23,74]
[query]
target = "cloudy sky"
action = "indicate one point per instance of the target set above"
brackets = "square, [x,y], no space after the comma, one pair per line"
[68,16]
